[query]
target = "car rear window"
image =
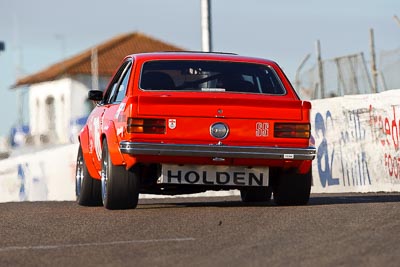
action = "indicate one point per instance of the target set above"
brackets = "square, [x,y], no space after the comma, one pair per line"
[210,76]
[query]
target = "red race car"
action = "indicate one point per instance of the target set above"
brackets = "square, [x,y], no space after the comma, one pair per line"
[184,122]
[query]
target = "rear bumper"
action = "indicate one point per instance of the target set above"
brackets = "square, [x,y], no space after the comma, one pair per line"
[217,151]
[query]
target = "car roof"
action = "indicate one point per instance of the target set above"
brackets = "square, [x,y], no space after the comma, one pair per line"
[189,55]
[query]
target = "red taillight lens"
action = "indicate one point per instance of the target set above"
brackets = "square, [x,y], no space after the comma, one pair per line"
[146,126]
[292,130]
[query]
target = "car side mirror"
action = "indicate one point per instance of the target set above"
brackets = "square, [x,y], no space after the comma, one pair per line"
[95,95]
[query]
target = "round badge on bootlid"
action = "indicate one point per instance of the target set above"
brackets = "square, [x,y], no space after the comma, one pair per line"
[219,130]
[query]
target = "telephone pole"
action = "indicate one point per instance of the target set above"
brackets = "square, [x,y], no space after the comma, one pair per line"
[374,71]
[321,81]
[206,42]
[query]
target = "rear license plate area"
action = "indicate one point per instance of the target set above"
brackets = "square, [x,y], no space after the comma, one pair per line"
[214,175]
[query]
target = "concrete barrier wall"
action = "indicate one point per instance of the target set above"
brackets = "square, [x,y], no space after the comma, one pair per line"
[357,140]
[44,175]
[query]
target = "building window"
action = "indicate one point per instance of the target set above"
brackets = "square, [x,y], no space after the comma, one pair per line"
[50,114]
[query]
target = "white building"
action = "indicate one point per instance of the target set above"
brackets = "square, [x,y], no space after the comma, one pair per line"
[58,104]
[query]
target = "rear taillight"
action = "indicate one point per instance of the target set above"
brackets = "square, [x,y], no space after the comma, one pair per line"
[292,130]
[146,126]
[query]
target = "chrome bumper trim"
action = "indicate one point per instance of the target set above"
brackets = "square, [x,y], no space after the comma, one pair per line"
[217,151]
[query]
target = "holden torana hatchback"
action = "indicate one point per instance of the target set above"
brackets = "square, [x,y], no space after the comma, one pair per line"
[174,123]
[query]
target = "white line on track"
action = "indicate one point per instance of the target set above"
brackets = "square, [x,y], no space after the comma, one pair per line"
[6,249]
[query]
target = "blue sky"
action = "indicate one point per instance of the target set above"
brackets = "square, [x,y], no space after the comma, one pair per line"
[42,32]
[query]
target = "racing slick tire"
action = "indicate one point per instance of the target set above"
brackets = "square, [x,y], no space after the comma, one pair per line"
[256,194]
[119,187]
[292,188]
[87,189]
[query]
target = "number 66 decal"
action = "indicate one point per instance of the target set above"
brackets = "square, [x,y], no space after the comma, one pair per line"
[262,129]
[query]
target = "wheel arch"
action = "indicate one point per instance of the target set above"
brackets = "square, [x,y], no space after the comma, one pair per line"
[110,134]
[87,154]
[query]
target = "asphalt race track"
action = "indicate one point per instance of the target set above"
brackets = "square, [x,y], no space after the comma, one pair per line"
[333,230]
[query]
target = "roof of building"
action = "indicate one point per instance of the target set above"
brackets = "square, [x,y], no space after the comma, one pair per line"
[109,54]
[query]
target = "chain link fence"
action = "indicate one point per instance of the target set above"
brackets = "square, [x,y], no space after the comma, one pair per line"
[349,75]
[389,66]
